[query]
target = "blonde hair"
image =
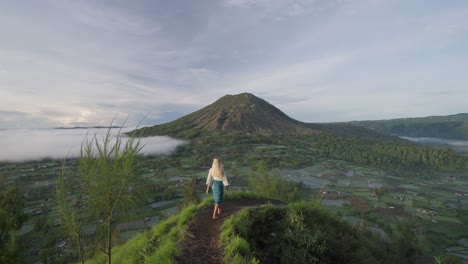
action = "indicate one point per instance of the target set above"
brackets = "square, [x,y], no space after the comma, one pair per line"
[217,168]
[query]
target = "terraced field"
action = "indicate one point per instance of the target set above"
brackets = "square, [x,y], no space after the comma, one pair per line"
[344,187]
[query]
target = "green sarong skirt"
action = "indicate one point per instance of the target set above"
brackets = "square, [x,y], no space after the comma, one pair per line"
[218,191]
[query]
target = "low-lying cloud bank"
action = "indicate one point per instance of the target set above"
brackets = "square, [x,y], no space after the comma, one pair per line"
[36,144]
[442,141]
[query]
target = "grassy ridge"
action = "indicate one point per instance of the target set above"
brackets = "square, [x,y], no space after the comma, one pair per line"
[301,233]
[161,244]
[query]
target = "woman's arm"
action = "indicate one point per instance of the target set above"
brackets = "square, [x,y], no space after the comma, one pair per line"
[225,180]
[208,181]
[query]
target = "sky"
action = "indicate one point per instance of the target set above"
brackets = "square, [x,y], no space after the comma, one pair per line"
[80,63]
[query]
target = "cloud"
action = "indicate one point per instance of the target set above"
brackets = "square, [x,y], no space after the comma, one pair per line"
[251,3]
[291,8]
[93,62]
[448,23]
[277,9]
[35,144]
[285,99]
[279,80]
[3,71]
[6,116]
[110,18]
[10,119]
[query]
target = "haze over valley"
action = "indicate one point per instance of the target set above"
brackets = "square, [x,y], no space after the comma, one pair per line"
[37,144]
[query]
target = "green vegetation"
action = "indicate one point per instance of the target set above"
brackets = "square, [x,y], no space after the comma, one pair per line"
[392,156]
[190,193]
[109,174]
[301,233]
[141,246]
[161,244]
[285,150]
[449,127]
[12,218]
[267,184]
[71,225]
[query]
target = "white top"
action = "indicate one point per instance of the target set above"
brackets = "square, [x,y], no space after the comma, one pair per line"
[210,178]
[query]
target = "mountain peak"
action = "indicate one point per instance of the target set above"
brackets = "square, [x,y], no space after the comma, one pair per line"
[239,99]
[241,113]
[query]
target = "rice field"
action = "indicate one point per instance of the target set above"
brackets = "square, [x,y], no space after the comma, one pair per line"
[402,198]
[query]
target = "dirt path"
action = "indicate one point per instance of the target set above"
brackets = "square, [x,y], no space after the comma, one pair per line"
[201,243]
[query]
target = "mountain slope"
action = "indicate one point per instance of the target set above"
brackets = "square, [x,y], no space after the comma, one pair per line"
[232,114]
[449,127]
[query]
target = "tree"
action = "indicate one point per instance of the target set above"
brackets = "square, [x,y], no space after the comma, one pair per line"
[268,184]
[109,179]
[12,218]
[109,171]
[71,225]
[380,191]
[407,240]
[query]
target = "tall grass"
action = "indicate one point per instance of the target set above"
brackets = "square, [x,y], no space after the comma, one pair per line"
[159,245]
[236,249]
[168,250]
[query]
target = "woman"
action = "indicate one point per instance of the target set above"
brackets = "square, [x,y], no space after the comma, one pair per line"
[216,179]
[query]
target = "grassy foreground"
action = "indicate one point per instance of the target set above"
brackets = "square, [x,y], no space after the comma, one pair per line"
[304,232]
[298,233]
[161,244]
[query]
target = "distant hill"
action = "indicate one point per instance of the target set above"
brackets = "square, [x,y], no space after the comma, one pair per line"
[346,129]
[448,127]
[232,114]
[249,115]
[88,127]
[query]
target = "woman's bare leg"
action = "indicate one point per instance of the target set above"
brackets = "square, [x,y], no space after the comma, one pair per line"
[219,209]
[216,207]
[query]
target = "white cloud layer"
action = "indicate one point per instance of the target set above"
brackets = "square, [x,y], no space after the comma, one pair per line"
[35,144]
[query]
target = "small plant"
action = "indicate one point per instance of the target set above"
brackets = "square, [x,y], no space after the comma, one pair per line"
[71,226]
[447,259]
[301,240]
[12,218]
[438,260]
[190,192]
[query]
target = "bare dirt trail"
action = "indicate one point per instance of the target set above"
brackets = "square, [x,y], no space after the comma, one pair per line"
[201,244]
